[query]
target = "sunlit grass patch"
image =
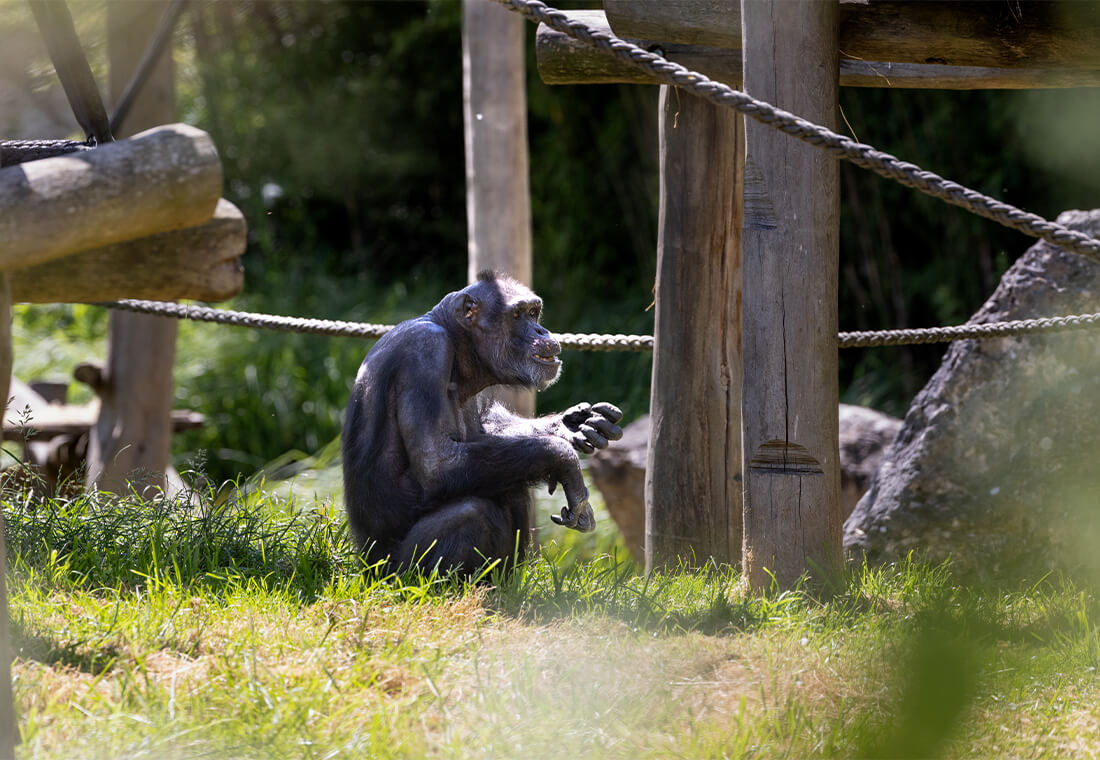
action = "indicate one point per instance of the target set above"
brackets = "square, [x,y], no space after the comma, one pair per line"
[239,624]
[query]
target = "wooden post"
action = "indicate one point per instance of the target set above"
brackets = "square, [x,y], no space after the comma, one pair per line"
[790,248]
[132,438]
[498,206]
[693,474]
[9,726]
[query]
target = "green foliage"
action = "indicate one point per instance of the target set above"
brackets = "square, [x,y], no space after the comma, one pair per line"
[340,128]
[100,541]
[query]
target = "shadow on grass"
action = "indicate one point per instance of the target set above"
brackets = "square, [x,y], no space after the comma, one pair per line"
[48,650]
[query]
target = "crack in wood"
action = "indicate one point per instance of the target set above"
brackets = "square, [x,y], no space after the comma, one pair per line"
[784,458]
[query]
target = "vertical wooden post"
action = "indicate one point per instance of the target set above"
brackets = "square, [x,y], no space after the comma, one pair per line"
[693,475]
[9,727]
[133,437]
[790,247]
[498,205]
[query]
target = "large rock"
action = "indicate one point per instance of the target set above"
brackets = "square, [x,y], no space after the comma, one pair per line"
[996,464]
[619,470]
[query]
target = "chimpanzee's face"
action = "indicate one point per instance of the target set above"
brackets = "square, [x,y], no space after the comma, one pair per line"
[510,342]
[534,343]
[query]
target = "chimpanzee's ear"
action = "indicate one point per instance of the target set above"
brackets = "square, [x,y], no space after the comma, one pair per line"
[468,309]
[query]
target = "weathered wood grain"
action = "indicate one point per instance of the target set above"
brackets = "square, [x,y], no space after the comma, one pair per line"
[201,263]
[693,474]
[790,249]
[165,179]
[130,446]
[1032,35]
[563,60]
[498,205]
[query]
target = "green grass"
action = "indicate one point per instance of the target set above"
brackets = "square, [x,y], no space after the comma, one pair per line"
[247,629]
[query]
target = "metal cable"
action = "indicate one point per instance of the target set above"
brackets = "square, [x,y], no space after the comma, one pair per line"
[858,153]
[596,342]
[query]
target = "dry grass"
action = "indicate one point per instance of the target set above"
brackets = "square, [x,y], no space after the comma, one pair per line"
[311,656]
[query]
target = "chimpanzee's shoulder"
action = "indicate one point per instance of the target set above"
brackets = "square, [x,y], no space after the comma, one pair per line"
[417,346]
[418,330]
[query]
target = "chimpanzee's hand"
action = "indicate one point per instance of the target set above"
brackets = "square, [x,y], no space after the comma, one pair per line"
[577,512]
[576,515]
[590,426]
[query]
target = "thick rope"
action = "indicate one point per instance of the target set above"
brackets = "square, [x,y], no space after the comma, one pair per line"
[858,153]
[594,342]
[581,341]
[17,151]
[965,332]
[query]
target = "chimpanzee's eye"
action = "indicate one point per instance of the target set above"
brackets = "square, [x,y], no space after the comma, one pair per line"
[534,312]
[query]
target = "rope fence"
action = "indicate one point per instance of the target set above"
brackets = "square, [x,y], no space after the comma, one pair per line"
[884,164]
[596,342]
[860,154]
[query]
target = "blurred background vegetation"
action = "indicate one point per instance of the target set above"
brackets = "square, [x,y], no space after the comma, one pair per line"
[340,129]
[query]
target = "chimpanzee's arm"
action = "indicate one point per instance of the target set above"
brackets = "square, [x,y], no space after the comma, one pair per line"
[586,426]
[449,460]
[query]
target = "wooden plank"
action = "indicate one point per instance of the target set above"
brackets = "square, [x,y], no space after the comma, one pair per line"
[1031,35]
[693,475]
[9,726]
[498,205]
[790,249]
[563,60]
[53,420]
[201,263]
[164,179]
[130,446]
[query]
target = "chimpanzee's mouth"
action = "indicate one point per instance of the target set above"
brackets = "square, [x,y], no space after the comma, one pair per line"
[547,359]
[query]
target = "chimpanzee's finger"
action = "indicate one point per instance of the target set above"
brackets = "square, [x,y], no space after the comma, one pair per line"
[593,436]
[552,487]
[610,411]
[581,443]
[567,518]
[607,428]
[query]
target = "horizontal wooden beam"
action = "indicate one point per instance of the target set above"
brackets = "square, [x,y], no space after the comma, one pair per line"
[163,179]
[563,60]
[1004,34]
[200,263]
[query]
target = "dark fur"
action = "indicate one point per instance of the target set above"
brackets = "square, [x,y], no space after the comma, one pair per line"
[435,475]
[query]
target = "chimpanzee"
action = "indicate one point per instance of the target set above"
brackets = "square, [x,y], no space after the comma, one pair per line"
[435,474]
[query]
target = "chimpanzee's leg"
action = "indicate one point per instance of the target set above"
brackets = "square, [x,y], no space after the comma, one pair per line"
[463,535]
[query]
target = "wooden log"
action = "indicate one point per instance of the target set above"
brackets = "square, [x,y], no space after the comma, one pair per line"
[201,263]
[498,204]
[163,179]
[1033,35]
[790,249]
[693,475]
[130,446]
[9,726]
[563,60]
